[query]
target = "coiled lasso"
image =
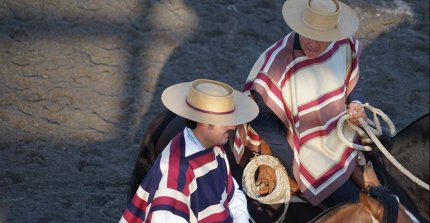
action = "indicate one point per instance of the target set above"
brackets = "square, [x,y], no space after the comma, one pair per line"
[281,192]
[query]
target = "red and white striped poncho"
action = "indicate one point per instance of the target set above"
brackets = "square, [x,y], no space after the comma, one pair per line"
[308,96]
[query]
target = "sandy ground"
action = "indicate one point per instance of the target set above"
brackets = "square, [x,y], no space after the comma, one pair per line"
[80,80]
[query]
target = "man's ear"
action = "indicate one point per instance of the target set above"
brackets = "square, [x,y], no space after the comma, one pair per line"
[201,126]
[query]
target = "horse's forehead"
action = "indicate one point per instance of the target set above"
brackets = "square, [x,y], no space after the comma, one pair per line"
[369,175]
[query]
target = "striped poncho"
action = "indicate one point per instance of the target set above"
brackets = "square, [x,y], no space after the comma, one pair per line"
[308,96]
[188,184]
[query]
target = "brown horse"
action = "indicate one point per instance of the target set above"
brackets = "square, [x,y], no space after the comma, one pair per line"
[167,124]
[376,204]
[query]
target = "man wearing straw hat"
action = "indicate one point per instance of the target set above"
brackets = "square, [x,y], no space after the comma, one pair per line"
[191,180]
[303,84]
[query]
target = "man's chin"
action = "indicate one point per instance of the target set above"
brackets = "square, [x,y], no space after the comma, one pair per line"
[224,141]
[312,55]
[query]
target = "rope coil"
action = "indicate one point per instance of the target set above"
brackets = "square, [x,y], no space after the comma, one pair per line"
[281,192]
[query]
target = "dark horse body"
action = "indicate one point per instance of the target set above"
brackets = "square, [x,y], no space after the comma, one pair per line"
[411,148]
[411,142]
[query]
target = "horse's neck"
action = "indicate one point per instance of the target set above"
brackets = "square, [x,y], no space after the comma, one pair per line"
[372,206]
[350,212]
[417,132]
[410,147]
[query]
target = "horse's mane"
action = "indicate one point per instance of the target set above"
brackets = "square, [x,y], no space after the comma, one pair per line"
[388,200]
[147,152]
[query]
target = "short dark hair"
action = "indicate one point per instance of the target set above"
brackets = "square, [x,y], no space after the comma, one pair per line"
[190,123]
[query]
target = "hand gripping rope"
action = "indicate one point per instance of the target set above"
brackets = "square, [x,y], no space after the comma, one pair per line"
[373,133]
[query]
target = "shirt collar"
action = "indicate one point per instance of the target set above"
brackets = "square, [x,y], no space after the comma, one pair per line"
[192,144]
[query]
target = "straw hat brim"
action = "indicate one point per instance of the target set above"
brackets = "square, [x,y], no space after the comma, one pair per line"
[293,10]
[174,98]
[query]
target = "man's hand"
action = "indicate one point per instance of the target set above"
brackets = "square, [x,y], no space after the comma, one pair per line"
[266,180]
[356,111]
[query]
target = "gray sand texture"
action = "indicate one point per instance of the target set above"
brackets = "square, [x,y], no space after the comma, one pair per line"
[80,81]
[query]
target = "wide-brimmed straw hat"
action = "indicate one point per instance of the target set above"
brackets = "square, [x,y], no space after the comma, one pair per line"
[322,20]
[209,102]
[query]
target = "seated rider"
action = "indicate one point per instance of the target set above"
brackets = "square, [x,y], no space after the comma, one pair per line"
[191,179]
[303,84]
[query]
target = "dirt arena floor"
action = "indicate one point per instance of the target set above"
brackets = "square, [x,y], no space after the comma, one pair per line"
[80,80]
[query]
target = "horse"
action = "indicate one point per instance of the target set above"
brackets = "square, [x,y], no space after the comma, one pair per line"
[166,125]
[376,204]
[410,146]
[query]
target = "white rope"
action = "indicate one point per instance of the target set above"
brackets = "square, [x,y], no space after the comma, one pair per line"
[377,130]
[281,192]
[392,159]
[340,124]
[372,133]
